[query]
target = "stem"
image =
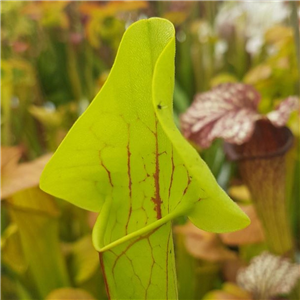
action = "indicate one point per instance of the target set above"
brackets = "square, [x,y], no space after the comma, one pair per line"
[262,164]
[73,73]
[266,181]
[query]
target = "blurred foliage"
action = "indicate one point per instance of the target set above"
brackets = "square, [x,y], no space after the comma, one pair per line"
[55,56]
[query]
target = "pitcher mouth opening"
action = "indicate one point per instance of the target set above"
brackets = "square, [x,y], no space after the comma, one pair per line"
[266,142]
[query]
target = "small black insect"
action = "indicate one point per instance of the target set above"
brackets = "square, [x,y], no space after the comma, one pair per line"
[160,106]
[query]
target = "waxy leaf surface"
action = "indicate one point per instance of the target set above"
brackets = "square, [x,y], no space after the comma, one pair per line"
[125,159]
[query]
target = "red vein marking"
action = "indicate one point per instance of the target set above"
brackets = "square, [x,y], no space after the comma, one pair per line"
[185,190]
[131,244]
[151,271]
[134,272]
[104,275]
[164,152]
[147,174]
[147,218]
[143,209]
[157,200]
[105,168]
[113,228]
[138,118]
[129,179]
[143,180]
[172,176]
[108,173]
[109,250]
[188,184]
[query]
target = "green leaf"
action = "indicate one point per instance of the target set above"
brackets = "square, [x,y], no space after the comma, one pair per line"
[84,260]
[11,250]
[35,215]
[125,159]
[69,294]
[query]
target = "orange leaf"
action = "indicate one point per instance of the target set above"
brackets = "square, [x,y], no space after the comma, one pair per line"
[111,8]
[252,234]
[17,177]
[204,245]
[9,158]
[176,17]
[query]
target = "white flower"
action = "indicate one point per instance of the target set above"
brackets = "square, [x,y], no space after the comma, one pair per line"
[251,20]
[268,275]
